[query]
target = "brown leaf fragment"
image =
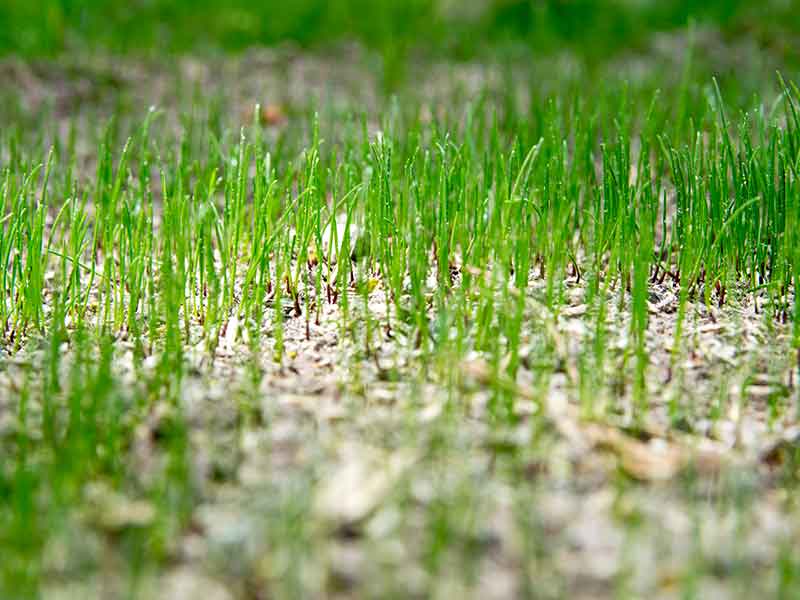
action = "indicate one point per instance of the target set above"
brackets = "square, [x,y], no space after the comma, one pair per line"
[112,511]
[655,460]
[777,452]
[272,114]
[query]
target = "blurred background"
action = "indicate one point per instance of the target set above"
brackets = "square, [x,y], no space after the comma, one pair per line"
[592,29]
[64,56]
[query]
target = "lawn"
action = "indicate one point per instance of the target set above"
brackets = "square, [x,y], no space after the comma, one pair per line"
[399,299]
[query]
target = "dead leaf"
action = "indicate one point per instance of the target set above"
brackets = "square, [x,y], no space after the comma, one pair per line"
[273,114]
[778,451]
[656,460]
[113,511]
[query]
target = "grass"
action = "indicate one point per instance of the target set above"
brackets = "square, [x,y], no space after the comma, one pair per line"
[162,231]
[396,29]
[525,344]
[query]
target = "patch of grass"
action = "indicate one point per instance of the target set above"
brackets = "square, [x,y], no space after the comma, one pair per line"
[492,315]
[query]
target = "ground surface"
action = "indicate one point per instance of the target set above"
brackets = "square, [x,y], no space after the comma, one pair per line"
[346,460]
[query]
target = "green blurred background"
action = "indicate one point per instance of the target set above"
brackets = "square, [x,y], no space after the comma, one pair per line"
[591,28]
